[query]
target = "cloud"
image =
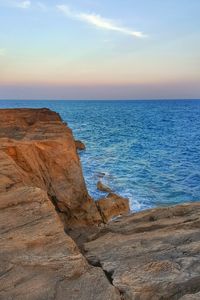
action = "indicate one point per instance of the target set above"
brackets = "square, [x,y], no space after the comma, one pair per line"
[16,3]
[27,4]
[23,4]
[98,21]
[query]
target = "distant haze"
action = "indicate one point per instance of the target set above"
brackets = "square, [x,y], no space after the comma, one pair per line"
[99,49]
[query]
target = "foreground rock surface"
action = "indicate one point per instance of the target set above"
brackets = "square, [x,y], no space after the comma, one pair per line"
[38,260]
[39,169]
[153,254]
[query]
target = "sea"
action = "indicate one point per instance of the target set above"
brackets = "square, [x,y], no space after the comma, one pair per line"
[147,151]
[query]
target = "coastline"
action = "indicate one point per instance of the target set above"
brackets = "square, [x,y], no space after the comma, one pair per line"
[137,158]
[149,255]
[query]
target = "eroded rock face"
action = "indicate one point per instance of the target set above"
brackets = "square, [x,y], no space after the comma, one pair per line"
[38,260]
[112,206]
[38,166]
[43,153]
[153,254]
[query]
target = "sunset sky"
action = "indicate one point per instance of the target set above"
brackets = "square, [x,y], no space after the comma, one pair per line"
[85,49]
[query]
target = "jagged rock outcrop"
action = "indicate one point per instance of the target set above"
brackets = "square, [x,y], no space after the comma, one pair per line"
[112,206]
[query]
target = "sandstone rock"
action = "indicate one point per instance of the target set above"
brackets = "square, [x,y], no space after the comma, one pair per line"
[39,166]
[80,145]
[153,254]
[103,188]
[38,260]
[112,206]
[44,153]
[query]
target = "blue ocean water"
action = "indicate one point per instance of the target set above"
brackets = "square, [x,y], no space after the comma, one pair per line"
[148,151]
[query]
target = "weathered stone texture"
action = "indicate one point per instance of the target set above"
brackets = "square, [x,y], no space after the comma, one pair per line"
[38,166]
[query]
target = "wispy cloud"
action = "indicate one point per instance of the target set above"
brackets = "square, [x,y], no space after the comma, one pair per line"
[23,4]
[98,21]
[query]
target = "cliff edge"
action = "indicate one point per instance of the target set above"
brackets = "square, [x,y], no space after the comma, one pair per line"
[38,150]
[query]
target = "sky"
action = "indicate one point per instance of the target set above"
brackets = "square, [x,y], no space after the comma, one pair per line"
[85,49]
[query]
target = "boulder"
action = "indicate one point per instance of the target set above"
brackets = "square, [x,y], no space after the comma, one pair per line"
[112,206]
[80,145]
[103,188]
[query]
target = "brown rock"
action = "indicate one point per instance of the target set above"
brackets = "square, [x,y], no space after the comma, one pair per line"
[153,254]
[103,188]
[43,150]
[39,165]
[80,145]
[112,206]
[38,260]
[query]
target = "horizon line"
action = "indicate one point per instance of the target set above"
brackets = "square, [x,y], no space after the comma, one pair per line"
[145,99]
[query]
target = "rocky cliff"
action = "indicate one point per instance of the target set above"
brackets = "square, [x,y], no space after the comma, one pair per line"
[41,179]
[150,255]
[38,150]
